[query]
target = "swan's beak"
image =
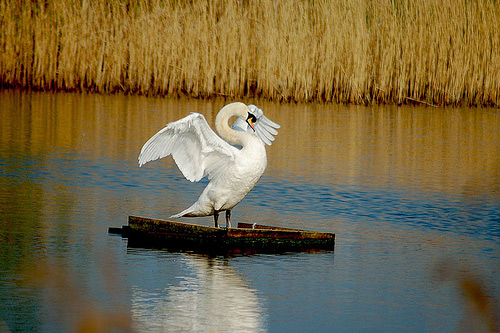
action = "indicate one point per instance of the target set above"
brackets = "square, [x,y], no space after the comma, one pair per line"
[250,120]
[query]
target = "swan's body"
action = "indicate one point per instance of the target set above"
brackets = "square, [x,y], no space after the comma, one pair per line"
[199,152]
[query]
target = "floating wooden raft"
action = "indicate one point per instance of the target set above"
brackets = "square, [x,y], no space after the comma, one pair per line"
[247,238]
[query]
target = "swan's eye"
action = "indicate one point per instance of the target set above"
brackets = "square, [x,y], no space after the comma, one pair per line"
[251,117]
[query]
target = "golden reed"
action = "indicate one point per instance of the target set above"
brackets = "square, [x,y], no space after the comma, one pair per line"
[349,51]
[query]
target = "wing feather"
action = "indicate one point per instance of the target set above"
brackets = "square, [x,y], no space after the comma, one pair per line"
[197,150]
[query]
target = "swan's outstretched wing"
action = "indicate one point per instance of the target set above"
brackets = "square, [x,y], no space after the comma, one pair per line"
[195,147]
[265,128]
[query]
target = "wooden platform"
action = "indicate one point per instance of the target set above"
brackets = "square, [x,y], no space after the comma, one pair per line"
[247,238]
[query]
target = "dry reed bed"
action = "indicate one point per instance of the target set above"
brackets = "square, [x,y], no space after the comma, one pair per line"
[349,51]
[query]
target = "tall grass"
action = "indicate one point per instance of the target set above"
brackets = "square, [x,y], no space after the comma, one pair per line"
[349,51]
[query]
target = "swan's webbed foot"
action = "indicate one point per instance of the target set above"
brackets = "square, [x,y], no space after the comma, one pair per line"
[216,218]
[228,219]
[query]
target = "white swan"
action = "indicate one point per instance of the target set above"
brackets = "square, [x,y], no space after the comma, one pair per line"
[233,161]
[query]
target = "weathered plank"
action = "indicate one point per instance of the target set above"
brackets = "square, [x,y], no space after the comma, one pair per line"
[247,238]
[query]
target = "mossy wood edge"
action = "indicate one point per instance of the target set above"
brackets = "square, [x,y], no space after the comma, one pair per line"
[247,238]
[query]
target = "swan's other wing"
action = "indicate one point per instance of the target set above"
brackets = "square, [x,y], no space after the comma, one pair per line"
[195,147]
[265,128]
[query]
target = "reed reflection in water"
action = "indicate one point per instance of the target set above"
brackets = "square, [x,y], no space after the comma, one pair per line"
[402,187]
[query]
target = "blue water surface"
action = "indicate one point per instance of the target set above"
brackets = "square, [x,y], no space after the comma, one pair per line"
[403,248]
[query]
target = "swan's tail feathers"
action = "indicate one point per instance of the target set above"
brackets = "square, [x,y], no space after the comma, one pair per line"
[193,211]
[185,213]
[176,216]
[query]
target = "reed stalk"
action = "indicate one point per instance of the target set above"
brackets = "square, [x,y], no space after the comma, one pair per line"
[347,51]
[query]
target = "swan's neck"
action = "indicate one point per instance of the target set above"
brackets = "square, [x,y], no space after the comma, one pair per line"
[227,133]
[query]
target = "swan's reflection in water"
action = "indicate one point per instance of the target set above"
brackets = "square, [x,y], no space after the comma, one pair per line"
[214,298]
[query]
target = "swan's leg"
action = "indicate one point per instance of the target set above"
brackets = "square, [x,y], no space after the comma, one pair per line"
[228,218]
[216,218]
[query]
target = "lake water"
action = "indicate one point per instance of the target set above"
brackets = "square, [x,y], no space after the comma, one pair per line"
[412,193]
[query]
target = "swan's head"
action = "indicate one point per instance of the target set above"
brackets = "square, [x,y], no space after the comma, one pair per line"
[263,127]
[237,109]
[251,119]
